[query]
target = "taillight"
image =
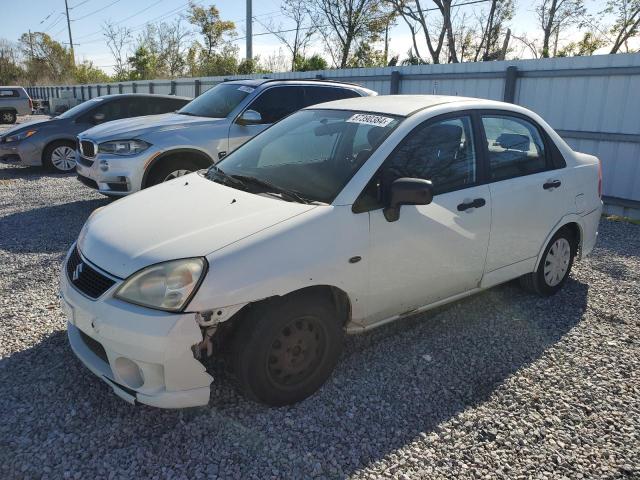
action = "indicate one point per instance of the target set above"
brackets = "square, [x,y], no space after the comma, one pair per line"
[30,104]
[599,178]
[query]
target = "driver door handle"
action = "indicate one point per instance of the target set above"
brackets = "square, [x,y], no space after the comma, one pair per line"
[551,184]
[476,203]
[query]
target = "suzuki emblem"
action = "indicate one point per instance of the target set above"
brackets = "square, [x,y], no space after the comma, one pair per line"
[77,272]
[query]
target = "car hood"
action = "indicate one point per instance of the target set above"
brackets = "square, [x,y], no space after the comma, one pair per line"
[186,217]
[136,126]
[25,126]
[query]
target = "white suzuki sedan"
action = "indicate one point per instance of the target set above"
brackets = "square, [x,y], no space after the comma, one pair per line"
[338,219]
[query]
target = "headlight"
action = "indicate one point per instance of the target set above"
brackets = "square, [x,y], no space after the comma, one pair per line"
[19,136]
[123,147]
[165,286]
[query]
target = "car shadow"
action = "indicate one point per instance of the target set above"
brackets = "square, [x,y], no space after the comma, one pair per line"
[29,173]
[392,386]
[30,230]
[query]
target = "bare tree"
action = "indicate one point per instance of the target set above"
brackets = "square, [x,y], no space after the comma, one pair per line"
[349,24]
[118,40]
[295,39]
[418,20]
[492,23]
[555,15]
[530,45]
[627,22]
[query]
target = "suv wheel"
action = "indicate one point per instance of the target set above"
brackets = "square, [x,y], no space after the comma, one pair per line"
[8,116]
[284,350]
[553,271]
[60,157]
[170,169]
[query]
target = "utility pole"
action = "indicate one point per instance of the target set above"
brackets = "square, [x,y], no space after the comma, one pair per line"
[249,54]
[73,57]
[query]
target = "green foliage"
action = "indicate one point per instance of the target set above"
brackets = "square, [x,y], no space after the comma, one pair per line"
[45,59]
[10,68]
[85,72]
[366,56]
[143,64]
[306,64]
[586,46]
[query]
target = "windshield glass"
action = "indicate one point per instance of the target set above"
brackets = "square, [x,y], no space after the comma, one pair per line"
[312,153]
[83,107]
[217,102]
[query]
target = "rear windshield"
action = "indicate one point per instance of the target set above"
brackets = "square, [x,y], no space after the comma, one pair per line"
[217,102]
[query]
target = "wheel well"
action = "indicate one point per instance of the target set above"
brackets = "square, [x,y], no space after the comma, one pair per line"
[200,159]
[58,140]
[574,229]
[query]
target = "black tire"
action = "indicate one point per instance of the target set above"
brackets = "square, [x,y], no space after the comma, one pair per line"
[284,350]
[8,116]
[161,171]
[47,156]
[536,282]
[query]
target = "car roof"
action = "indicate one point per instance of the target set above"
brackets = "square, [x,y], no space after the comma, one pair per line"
[146,95]
[401,105]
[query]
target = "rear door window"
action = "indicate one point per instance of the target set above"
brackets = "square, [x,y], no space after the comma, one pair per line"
[319,94]
[515,147]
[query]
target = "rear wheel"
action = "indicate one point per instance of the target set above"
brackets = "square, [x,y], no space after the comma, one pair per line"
[60,156]
[555,266]
[8,116]
[283,351]
[170,169]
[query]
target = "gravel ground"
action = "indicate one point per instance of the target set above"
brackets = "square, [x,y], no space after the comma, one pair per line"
[501,385]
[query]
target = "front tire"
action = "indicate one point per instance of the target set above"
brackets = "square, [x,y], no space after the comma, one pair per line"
[555,266]
[170,169]
[285,349]
[60,157]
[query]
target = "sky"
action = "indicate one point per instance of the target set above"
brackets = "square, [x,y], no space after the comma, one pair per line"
[88,15]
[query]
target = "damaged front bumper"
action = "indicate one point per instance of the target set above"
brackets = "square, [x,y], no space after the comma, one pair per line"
[144,355]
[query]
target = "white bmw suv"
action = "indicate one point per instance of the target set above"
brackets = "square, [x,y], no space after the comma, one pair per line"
[338,219]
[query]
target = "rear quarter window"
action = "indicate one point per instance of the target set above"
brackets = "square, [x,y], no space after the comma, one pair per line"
[9,92]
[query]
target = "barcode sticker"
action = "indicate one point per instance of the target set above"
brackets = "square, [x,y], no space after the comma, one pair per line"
[367,119]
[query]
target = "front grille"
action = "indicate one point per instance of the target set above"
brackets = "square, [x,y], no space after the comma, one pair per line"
[95,346]
[87,149]
[85,278]
[88,182]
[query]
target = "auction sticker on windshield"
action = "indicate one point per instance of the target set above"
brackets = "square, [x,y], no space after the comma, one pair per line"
[245,89]
[375,120]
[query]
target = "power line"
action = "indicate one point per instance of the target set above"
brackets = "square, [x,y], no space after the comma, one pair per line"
[79,4]
[125,19]
[96,11]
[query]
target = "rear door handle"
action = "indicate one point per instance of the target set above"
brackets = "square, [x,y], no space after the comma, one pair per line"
[552,184]
[476,203]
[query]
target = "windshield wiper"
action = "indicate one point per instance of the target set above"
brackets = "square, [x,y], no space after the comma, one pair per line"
[271,188]
[225,177]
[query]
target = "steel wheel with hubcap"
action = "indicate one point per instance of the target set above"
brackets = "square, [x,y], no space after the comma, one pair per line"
[285,349]
[60,156]
[555,265]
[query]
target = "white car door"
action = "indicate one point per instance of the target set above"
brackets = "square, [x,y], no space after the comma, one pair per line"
[433,251]
[272,104]
[529,195]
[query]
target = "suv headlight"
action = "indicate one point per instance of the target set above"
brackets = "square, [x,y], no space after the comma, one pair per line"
[123,147]
[19,136]
[164,286]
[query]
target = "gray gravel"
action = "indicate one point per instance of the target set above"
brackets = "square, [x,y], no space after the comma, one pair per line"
[502,385]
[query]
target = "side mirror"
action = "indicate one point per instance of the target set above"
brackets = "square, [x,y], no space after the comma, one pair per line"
[249,117]
[98,117]
[407,191]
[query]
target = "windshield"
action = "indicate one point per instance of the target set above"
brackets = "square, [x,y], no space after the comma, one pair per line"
[217,102]
[312,153]
[83,107]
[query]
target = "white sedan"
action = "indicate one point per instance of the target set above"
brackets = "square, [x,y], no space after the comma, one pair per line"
[338,219]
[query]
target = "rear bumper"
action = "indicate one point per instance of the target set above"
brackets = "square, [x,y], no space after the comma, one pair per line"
[590,223]
[144,355]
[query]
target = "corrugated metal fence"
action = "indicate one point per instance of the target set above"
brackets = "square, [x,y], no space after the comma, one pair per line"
[593,102]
